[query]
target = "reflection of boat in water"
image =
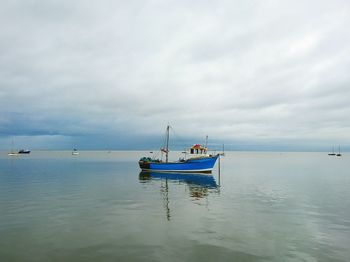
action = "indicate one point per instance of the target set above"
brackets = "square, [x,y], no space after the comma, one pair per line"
[199,160]
[199,184]
[199,179]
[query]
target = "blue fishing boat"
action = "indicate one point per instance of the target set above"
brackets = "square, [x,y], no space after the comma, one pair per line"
[198,161]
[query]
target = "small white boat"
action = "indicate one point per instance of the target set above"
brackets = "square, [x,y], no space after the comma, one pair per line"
[13,154]
[75,152]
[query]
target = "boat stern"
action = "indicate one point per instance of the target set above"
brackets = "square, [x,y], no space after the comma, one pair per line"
[144,165]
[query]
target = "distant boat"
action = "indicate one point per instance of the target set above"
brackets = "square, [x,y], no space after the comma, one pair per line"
[75,152]
[338,152]
[199,161]
[12,153]
[332,154]
[24,151]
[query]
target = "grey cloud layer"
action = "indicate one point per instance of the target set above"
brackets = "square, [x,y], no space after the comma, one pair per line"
[234,69]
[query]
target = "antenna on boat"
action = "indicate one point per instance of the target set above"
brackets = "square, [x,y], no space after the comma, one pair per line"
[12,146]
[338,152]
[167,144]
[219,169]
[206,141]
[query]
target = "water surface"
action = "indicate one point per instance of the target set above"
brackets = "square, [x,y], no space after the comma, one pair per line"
[97,206]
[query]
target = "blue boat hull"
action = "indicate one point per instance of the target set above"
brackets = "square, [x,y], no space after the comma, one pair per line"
[204,164]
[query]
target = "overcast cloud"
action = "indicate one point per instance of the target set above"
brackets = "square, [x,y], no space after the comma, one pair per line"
[113,74]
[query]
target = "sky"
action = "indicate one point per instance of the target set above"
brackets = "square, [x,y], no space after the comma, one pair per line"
[110,74]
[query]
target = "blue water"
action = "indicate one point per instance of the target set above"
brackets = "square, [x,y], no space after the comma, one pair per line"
[98,207]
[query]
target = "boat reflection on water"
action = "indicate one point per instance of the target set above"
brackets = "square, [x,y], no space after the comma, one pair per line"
[199,184]
[200,179]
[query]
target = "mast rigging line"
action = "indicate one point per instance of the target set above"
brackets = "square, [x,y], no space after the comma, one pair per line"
[178,138]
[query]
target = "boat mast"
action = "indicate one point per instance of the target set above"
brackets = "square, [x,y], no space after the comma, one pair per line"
[167,144]
[12,143]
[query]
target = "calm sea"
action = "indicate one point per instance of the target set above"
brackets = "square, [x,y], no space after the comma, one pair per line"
[97,206]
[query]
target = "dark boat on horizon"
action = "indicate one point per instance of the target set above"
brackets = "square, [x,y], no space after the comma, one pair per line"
[332,154]
[24,151]
[339,154]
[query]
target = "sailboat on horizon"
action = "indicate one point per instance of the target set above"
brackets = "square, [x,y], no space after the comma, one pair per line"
[332,154]
[338,152]
[12,153]
[75,152]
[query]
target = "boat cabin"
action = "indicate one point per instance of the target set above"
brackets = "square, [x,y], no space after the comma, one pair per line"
[198,149]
